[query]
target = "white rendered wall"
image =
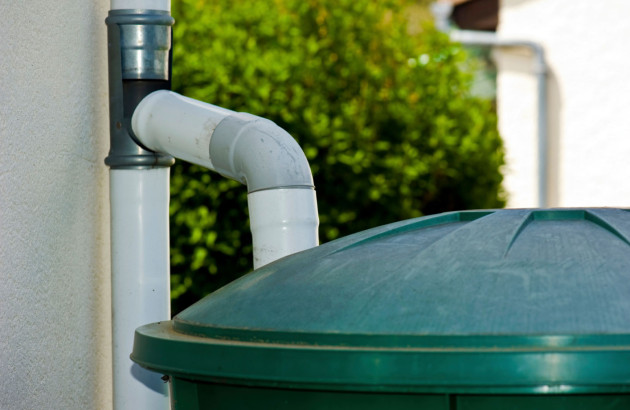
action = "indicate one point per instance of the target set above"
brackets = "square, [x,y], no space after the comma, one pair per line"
[55,338]
[589,92]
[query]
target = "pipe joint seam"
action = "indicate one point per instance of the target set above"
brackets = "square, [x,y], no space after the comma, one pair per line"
[257,152]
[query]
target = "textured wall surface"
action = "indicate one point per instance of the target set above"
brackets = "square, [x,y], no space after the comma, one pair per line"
[589,94]
[54,214]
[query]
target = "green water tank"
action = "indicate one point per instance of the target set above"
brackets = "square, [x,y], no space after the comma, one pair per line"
[506,309]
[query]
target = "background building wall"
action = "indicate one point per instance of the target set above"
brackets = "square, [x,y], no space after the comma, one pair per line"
[54,213]
[589,95]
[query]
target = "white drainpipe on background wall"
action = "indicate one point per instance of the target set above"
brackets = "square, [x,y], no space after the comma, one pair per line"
[148,126]
[442,12]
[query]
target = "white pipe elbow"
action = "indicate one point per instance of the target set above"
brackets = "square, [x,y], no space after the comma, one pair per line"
[258,153]
[281,196]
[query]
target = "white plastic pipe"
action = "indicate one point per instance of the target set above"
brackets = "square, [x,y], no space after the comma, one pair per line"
[283,222]
[165,121]
[249,149]
[140,278]
[140,5]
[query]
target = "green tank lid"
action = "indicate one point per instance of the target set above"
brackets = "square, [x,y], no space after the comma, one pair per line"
[506,301]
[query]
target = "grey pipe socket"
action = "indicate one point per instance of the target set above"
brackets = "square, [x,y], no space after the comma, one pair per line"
[145,43]
[138,43]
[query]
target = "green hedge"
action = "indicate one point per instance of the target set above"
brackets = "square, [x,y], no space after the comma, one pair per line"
[385,118]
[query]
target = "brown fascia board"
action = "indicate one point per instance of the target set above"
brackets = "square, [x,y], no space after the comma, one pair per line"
[476,14]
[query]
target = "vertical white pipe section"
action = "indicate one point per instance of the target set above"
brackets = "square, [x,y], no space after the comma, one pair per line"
[140,278]
[283,221]
[141,5]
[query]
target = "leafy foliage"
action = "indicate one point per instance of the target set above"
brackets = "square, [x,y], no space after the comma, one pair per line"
[385,118]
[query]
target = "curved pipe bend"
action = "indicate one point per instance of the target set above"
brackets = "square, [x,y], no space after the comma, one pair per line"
[249,149]
[244,147]
[258,153]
